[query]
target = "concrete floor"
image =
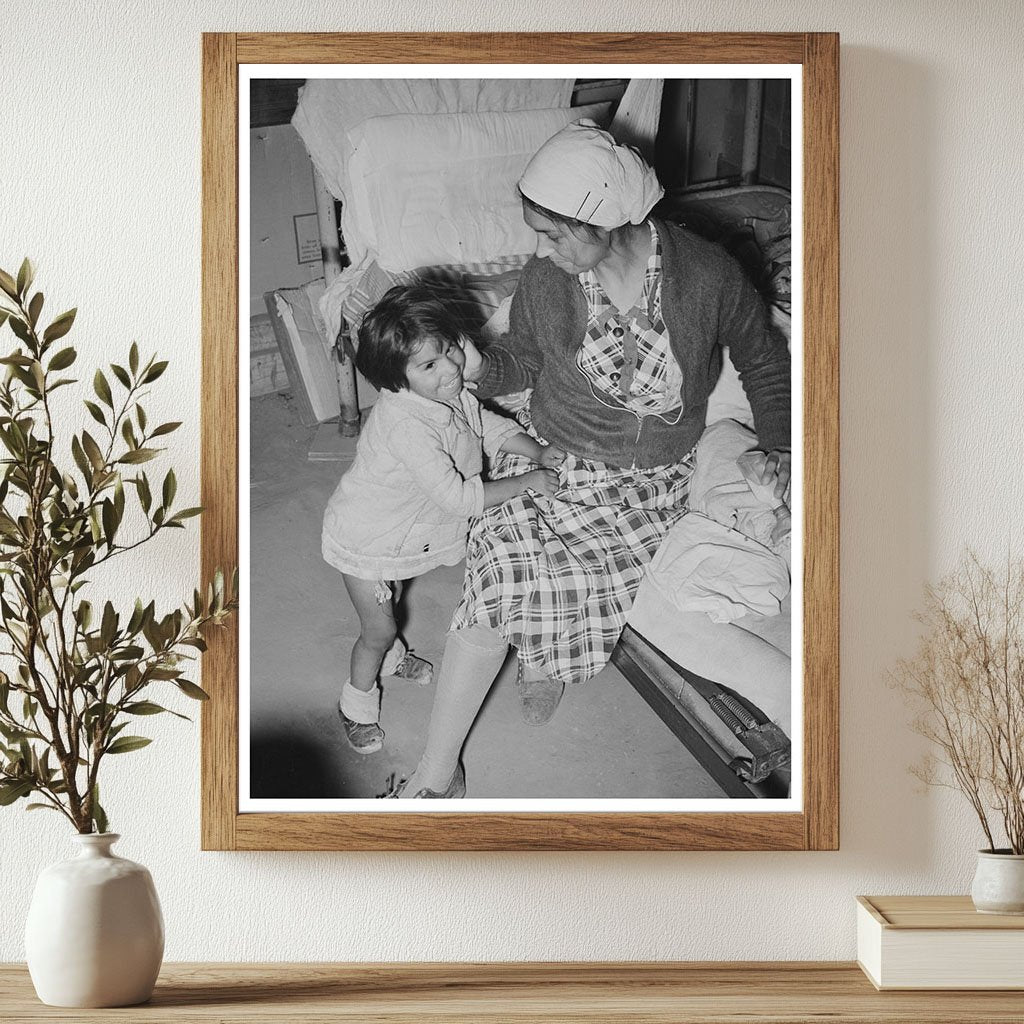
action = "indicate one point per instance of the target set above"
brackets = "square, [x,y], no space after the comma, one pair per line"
[604,741]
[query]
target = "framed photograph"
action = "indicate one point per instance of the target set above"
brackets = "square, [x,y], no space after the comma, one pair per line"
[559,568]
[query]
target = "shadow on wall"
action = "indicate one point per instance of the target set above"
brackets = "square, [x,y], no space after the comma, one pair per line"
[888,302]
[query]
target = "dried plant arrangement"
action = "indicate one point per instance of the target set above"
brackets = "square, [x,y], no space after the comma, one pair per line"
[967,682]
[77,672]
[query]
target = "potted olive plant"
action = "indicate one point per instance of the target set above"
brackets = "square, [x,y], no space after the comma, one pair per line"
[77,672]
[967,683]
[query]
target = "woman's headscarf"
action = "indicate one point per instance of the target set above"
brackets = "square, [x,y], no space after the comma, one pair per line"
[582,173]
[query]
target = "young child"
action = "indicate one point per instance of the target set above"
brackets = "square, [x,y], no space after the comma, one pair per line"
[404,505]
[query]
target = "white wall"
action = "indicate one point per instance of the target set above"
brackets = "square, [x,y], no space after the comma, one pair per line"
[281,187]
[100,175]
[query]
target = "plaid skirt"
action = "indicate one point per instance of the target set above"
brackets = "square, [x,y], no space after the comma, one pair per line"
[557,576]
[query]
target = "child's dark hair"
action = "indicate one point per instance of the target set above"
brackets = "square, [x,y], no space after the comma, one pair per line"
[404,318]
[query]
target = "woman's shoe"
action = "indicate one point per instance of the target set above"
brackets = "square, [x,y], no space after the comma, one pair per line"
[455,790]
[539,697]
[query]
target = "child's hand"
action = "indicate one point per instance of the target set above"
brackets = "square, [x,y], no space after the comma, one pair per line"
[544,481]
[474,368]
[551,457]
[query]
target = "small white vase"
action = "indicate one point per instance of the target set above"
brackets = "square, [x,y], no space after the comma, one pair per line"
[95,933]
[999,882]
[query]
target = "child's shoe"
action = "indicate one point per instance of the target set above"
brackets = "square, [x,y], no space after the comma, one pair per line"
[403,664]
[363,737]
[360,712]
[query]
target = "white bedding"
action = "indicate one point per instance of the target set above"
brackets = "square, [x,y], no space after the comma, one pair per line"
[330,108]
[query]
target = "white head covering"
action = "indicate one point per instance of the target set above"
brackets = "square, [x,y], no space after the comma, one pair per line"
[582,173]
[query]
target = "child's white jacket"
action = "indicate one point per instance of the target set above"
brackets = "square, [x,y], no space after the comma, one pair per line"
[404,505]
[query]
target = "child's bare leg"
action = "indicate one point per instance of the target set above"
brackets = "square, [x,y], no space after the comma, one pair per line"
[377,631]
[360,696]
[399,661]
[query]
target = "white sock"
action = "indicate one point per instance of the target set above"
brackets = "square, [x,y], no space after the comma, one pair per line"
[396,652]
[361,706]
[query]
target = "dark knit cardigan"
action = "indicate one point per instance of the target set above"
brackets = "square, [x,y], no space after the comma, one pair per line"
[707,302]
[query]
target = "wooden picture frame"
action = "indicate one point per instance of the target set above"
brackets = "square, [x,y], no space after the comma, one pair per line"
[815,826]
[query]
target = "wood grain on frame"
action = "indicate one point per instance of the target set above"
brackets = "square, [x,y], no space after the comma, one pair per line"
[219,426]
[821,441]
[817,827]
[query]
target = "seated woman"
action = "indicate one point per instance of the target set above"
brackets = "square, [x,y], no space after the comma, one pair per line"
[617,325]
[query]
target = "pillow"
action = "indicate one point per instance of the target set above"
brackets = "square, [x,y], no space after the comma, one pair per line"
[441,188]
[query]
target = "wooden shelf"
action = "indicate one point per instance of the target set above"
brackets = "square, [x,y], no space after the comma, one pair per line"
[781,993]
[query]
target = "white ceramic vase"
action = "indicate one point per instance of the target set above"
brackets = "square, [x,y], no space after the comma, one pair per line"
[999,883]
[95,933]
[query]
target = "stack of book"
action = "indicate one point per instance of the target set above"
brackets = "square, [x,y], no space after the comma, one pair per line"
[938,942]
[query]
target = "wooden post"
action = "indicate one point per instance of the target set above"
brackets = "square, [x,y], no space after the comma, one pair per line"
[752,132]
[327,222]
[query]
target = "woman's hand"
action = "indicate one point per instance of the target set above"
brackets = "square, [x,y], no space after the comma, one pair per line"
[778,467]
[551,457]
[543,481]
[474,368]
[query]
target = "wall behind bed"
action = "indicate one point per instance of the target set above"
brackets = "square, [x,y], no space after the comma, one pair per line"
[101,184]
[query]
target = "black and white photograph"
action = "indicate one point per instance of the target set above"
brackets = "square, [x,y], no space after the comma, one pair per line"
[520,467]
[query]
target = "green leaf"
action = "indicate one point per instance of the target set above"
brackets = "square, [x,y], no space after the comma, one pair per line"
[20,328]
[128,433]
[165,428]
[4,314]
[99,816]
[145,497]
[121,374]
[108,627]
[135,622]
[60,326]
[140,415]
[185,513]
[191,690]
[109,521]
[154,372]
[125,744]
[102,388]
[8,284]
[139,455]
[63,359]
[92,449]
[95,412]
[171,674]
[133,358]
[83,613]
[119,498]
[170,488]
[26,274]
[34,308]
[41,807]
[143,707]
[14,790]
[80,459]
[12,733]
